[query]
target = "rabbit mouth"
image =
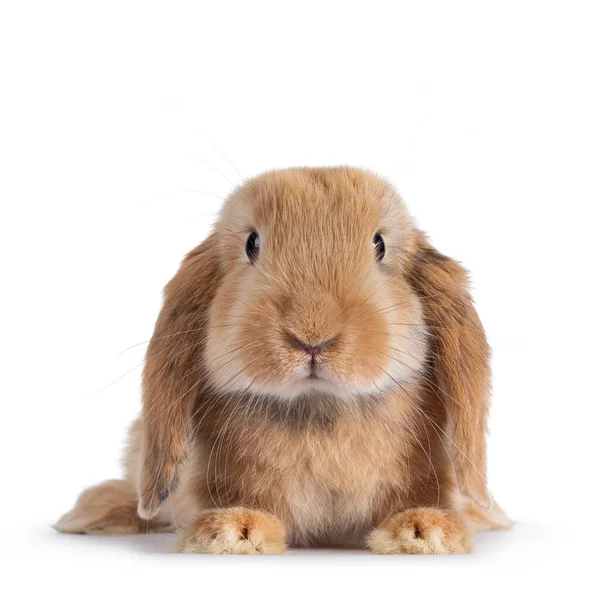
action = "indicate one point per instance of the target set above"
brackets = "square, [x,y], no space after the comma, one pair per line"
[318,380]
[313,375]
[314,371]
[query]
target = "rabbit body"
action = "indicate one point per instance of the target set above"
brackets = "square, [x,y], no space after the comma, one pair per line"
[317,375]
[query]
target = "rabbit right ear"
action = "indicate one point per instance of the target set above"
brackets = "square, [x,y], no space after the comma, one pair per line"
[173,373]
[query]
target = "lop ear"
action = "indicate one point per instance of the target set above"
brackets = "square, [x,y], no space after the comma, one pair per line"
[460,360]
[173,374]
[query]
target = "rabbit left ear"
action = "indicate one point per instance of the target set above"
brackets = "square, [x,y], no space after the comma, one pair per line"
[461,372]
[173,374]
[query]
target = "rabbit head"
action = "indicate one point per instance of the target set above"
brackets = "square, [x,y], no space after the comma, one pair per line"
[313,295]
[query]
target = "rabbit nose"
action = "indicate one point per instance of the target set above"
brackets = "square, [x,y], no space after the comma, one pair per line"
[313,350]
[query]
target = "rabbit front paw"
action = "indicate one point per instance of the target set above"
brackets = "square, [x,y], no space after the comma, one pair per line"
[234,531]
[421,531]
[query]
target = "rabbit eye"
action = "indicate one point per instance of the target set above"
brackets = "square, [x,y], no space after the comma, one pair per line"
[252,247]
[379,246]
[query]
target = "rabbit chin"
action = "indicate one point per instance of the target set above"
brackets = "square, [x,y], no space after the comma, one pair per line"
[321,386]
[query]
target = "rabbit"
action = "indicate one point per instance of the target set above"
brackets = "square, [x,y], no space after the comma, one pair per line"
[317,375]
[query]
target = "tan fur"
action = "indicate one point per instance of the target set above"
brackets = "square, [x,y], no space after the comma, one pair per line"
[421,531]
[108,508]
[234,437]
[484,519]
[234,531]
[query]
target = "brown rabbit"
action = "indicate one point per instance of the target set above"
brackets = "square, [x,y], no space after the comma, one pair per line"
[317,374]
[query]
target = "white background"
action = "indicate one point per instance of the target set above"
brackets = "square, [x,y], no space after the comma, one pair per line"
[486,118]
